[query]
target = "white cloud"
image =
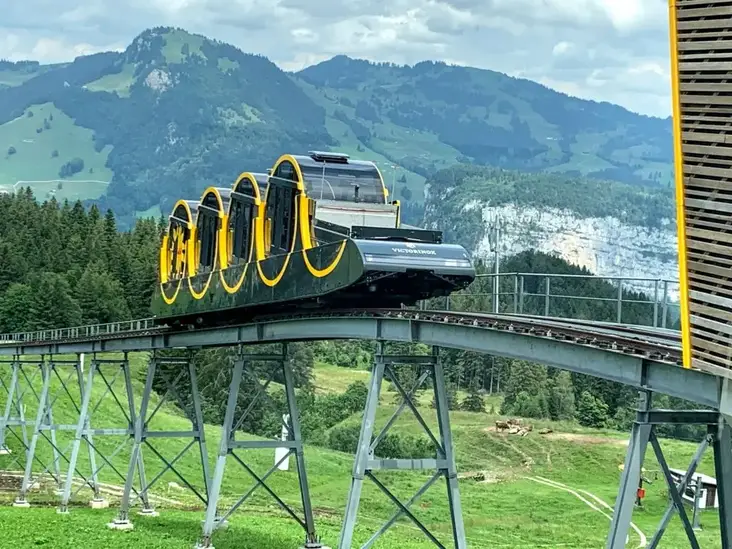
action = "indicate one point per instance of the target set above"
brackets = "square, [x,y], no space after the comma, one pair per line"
[614,50]
[628,14]
[560,48]
[304,36]
[24,45]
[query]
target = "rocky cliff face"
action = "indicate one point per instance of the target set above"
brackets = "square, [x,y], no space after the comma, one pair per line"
[605,245]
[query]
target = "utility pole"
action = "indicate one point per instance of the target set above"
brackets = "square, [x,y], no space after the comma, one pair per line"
[696,521]
[393,181]
[494,239]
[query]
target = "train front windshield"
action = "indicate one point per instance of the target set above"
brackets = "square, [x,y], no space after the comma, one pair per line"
[341,182]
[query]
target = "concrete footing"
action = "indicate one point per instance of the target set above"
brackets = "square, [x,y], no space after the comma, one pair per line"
[21,503]
[100,503]
[148,513]
[120,525]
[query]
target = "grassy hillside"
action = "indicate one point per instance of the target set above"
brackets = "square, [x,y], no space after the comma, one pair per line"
[41,141]
[14,74]
[506,502]
[177,112]
[10,78]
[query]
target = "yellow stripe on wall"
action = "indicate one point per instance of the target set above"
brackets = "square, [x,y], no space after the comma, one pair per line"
[679,176]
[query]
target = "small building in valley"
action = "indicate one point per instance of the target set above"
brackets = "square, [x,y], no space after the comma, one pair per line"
[708,498]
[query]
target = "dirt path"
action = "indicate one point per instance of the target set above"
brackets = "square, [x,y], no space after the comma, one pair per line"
[104,488]
[586,439]
[554,484]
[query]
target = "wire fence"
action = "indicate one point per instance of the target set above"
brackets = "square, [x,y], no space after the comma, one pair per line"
[624,300]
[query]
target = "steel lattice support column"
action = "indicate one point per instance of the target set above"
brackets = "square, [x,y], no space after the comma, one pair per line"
[162,368]
[229,445]
[58,378]
[366,463]
[108,374]
[722,444]
[644,434]
[13,410]
[630,479]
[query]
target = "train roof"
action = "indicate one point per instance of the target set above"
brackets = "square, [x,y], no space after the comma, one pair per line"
[317,159]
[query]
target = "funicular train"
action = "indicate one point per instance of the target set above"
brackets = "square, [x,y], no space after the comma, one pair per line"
[316,232]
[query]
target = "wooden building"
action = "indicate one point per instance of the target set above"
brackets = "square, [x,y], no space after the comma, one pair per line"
[708,498]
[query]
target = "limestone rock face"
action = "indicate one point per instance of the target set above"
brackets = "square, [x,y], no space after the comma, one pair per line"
[605,245]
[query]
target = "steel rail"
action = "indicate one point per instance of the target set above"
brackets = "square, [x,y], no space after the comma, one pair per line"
[662,335]
[628,340]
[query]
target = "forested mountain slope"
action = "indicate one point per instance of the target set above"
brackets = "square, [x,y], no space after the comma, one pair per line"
[176,112]
[433,114]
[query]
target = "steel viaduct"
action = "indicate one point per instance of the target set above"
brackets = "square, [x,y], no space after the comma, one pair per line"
[646,358]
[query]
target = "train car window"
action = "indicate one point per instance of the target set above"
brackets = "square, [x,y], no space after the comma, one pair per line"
[207,241]
[178,236]
[240,230]
[286,171]
[177,251]
[208,226]
[349,183]
[281,207]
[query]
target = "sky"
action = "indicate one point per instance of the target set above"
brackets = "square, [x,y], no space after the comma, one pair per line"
[607,50]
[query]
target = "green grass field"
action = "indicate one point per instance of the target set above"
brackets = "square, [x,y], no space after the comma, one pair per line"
[506,501]
[15,78]
[153,211]
[118,83]
[11,78]
[38,157]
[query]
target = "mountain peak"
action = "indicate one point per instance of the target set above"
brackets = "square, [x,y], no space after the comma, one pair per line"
[164,45]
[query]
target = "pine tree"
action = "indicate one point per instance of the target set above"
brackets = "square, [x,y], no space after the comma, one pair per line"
[591,411]
[14,307]
[561,400]
[13,264]
[531,379]
[59,255]
[473,402]
[100,296]
[53,304]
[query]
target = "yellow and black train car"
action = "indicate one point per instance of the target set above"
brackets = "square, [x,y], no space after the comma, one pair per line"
[316,231]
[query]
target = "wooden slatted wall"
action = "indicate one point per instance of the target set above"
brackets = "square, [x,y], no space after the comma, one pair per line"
[701,52]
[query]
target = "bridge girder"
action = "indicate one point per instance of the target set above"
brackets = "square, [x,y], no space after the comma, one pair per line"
[636,371]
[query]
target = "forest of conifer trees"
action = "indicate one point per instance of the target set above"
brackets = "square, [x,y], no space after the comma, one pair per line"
[63,265]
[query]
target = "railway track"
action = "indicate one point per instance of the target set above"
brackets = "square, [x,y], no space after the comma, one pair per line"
[653,343]
[639,341]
